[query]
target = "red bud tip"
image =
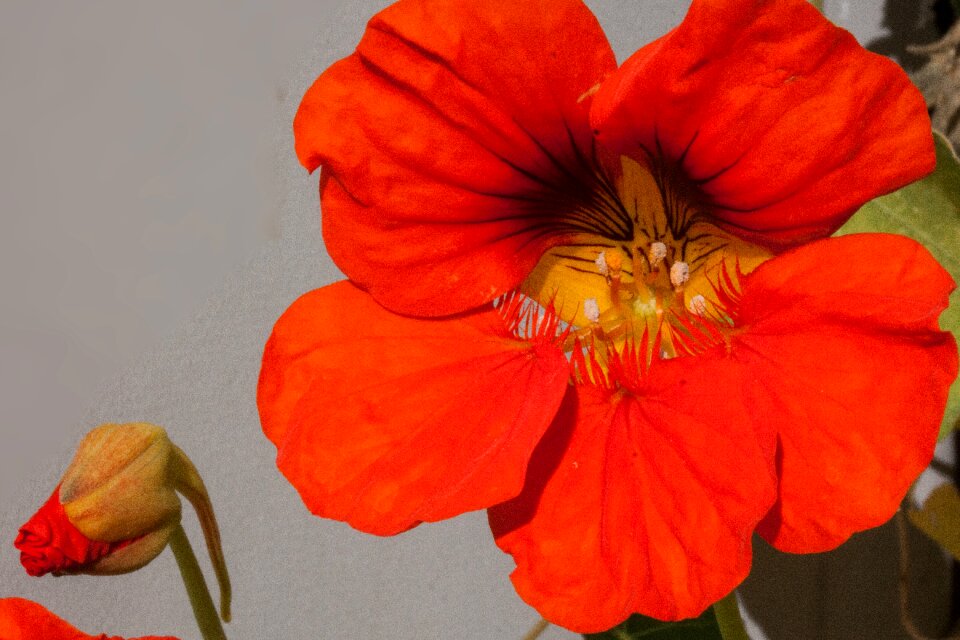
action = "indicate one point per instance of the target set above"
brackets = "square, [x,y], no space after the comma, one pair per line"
[49,543]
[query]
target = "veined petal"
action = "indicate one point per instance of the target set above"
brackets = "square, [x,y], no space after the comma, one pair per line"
[640,501]
[573,272]
[22,619]
[847,362]
[385,421]
[450,140]
[783,122]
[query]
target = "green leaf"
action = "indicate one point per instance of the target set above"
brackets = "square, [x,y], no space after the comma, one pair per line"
[639,627]
[929,212]
[940,518]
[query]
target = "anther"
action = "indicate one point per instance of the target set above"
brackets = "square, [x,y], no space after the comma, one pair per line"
[679,274]
[591,310]
[614,265]
[601,263]
[658,252]
[698,305]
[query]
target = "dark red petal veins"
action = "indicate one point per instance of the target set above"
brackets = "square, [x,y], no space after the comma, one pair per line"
[49,543]
[451,140]
[782,122]
[844,357]
[385,421]
[639,503]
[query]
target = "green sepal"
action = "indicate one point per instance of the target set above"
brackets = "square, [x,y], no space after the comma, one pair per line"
[636,627]
[929,212]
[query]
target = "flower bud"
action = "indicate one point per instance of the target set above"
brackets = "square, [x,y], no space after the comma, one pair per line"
[117,506]
[24,620]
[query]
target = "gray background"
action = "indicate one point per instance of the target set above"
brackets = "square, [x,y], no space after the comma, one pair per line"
[155,224]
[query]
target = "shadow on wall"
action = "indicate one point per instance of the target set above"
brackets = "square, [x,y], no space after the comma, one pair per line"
[851,593]
[911,22]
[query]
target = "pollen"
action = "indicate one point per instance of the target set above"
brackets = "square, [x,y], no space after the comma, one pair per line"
[601,263]
[679,274]
[698,305]
[658,253]
[591,310]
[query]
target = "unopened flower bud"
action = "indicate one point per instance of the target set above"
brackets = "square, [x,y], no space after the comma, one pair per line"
[116,507]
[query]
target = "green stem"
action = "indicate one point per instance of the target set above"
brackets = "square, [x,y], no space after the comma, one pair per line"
[537,629]
[200,600]
[818,4]
[729,620]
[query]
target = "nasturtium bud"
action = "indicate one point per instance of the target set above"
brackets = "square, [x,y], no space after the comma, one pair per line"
[121,482]
[117,505]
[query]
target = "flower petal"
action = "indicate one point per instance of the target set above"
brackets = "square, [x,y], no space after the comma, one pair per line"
[449,140]
[784,123]
[639,503]
[385,421]
[22,619]
[50,543]
[846,360]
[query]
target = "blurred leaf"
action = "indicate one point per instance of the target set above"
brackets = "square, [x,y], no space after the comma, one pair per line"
[639,627]
[929,212]
[939,518]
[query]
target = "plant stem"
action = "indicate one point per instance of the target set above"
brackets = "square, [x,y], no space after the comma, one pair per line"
[729,620]
[536,630]
[200,600]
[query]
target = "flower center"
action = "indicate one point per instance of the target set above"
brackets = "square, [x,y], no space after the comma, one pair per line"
[653,255]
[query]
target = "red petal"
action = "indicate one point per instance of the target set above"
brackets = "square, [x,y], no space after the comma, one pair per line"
[846,360]
[49,542]
[385,421]
[640,503]
[449,140]
[22,619]
[786,124]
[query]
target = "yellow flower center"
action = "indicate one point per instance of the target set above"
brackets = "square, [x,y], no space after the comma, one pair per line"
[653,255]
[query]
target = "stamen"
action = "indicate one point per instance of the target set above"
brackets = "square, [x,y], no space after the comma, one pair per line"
[698,305]
[614,265]
[591,310]
[679,274]
[601,263]
[658,252]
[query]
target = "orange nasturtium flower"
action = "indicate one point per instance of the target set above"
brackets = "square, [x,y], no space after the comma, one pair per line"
[707,363]
[22,619]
